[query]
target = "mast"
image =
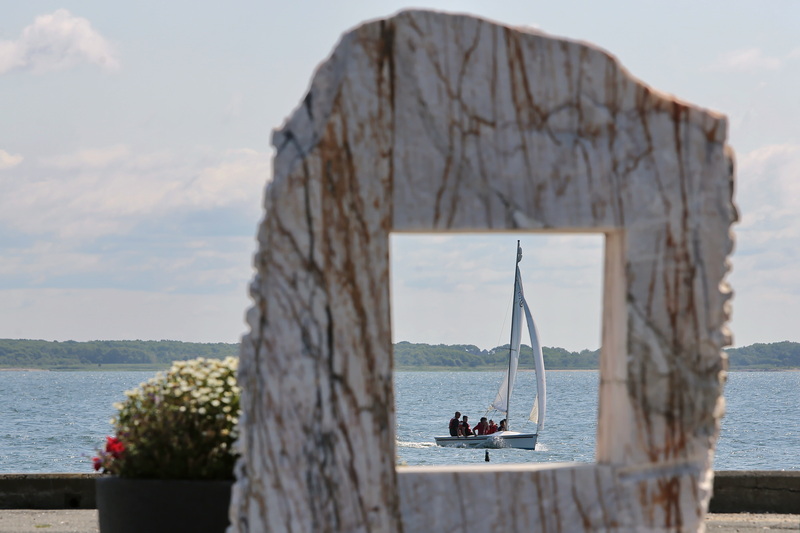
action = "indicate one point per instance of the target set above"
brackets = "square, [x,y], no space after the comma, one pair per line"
[511,342]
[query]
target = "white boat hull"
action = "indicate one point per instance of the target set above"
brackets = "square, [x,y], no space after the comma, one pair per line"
[504,439]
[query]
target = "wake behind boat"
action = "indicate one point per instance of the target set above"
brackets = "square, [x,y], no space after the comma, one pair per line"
[502,401]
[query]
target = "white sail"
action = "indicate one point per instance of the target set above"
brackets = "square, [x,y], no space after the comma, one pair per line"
[500,402]
[540,401]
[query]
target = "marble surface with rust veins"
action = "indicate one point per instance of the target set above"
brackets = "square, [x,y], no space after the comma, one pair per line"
[427,122]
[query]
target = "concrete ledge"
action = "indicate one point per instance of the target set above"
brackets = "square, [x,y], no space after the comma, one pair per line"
[745,491]
[756,491]
[47,491]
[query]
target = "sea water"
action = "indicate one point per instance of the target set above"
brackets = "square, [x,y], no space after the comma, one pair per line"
[54,421]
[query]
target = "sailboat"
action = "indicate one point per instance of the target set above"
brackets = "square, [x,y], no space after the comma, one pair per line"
[502,400]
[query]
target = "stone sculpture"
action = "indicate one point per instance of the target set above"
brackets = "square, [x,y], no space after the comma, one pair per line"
[435,122]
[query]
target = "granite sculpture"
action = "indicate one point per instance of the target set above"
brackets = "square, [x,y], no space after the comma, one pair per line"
[433,122]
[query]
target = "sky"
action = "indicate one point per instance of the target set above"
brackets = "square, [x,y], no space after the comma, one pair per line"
[135,148]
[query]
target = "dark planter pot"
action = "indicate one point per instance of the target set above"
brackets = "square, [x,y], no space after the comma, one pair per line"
[161,505]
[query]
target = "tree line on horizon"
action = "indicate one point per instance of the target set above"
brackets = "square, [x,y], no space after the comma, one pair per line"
[761,356]
[23,353]
[468,356]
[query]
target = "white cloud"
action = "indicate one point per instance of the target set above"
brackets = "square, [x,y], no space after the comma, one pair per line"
[767,239]
[113,314]
[182,223]
[40,259]
[57,41]
[233,180]
[89,158]
[7,160]
[750,59]
[102,191]
[769,188]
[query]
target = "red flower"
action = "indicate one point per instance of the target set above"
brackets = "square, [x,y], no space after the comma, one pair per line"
[114,446]
[98,463]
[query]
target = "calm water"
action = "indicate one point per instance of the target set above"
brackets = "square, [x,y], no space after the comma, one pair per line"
[53,421]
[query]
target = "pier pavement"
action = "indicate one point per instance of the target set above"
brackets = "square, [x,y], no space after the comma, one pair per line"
[85,521]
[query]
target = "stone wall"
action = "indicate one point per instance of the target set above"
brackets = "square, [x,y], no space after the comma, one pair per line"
[734,491]
[47,491]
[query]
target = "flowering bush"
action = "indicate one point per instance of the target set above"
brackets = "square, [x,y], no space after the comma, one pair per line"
[178,425]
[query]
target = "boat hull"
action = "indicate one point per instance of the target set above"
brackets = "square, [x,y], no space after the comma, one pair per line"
[506,439]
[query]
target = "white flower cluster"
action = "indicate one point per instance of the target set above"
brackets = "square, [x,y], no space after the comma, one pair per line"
[182,421]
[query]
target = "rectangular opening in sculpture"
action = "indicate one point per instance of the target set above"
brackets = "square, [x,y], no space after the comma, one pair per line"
[452,308]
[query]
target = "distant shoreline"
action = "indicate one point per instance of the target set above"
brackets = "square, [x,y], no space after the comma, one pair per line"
[29,355]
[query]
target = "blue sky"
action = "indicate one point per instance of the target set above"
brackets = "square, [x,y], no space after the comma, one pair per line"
[134,149]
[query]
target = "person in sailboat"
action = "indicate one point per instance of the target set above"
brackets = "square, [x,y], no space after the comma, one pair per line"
[492,427]
[454,423]
[464,429]
[482,427]
[503,425]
